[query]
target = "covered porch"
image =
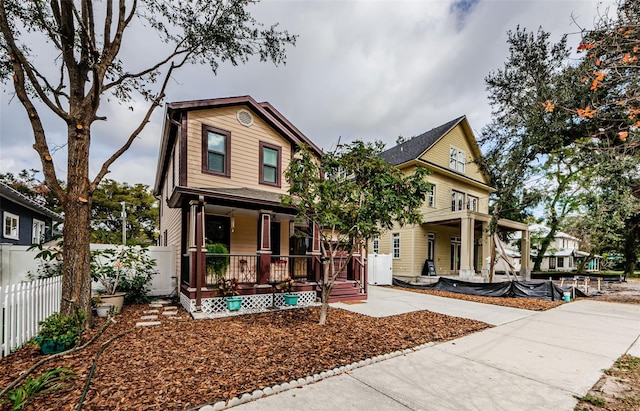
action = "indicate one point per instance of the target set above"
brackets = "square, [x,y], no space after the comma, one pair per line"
[469,242]
[265,246]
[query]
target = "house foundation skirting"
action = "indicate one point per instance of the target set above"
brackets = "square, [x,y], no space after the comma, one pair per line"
[250,303]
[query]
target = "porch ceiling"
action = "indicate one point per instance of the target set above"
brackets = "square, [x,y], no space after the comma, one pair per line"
[236,198]
[453,218]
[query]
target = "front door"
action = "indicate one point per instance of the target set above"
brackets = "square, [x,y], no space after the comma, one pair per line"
[456,248]
[217,230]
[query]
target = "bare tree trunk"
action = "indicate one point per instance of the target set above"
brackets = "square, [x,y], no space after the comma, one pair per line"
[327,285]
[76,278]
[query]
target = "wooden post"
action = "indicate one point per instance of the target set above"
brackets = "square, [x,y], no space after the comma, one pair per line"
[264,244]
[200,265]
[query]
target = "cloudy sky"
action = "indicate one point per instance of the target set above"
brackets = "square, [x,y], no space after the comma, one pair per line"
[370,70]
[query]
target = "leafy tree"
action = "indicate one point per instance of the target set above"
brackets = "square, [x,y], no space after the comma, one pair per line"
[351,195]
[527,139]
[106,217]
[611,55]
[86,40]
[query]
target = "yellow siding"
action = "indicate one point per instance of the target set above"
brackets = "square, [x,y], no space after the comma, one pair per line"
[439,153]
[244,144]
[171,220]
[244,238]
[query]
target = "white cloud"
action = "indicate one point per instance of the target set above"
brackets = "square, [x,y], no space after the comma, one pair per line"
[360,70]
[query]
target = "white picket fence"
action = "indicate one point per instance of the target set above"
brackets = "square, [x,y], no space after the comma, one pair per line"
[24,305]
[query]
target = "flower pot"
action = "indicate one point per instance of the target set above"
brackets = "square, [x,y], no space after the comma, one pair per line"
[117,300]
[233,303]
[103,310]
[291,299]
[53,347]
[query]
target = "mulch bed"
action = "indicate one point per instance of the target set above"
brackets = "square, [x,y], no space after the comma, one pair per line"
[524,303]
[185,363]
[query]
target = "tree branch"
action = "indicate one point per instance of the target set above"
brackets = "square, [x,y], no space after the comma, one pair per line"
[155,103]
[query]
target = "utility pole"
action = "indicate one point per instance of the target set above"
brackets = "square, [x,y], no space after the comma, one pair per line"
[124,224]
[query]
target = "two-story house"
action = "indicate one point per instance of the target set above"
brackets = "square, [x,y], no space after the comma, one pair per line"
[563,253]
[219,179]
[24,221]
[453,237]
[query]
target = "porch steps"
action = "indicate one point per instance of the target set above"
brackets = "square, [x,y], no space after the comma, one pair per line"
[346,291]
[159,310]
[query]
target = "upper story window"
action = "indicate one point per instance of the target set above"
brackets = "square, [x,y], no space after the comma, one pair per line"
[10,226]
[216,150]
[431,196]
[472,203]
[457,201]
[457,159]
[38,232]
[270,164]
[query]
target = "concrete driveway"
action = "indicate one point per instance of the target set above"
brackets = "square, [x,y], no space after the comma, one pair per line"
[529,361]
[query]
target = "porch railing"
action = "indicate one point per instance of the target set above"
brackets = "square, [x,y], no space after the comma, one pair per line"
[241,267]
[244,267]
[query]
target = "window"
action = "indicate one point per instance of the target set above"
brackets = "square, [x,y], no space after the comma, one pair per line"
[431,196]
[472,203]
[215,143]
[395,245]
[38,232]
[457,159]
[457,201]
[560,262]
[270,164]
[552,263]
[376,245]
[11,226]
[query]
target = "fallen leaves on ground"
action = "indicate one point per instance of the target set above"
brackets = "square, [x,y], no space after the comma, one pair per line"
[524,303]
[185,363]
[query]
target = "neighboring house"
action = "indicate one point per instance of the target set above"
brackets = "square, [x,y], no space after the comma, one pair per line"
[24,221]
[563,253]
[454,233]
[219,179]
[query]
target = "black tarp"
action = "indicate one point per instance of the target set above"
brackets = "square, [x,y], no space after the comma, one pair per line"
[541,290]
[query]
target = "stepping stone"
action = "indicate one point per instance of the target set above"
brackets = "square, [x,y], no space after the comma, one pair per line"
[170,308]
[170,313]
[156,305]
[162,302]
[149,317]
[147,323]
[150,312]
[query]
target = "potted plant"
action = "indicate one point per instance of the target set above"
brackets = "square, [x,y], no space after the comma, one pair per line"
[59,333]
[102,309]
[229,289]
[123,273]
[286,287]
[217,264]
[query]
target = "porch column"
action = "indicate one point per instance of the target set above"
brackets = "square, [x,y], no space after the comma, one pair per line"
[197,266]
[525,255]
[486,250]
[264,246]
[467,224]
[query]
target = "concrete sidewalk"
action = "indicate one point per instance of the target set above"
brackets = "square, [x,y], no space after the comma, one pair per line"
[385,301]
[539,361]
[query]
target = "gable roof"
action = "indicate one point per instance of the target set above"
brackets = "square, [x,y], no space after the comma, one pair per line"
[415,147]
[14,195]
[264,110]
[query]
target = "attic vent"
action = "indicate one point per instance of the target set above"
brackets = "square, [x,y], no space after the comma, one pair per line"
[245,118]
